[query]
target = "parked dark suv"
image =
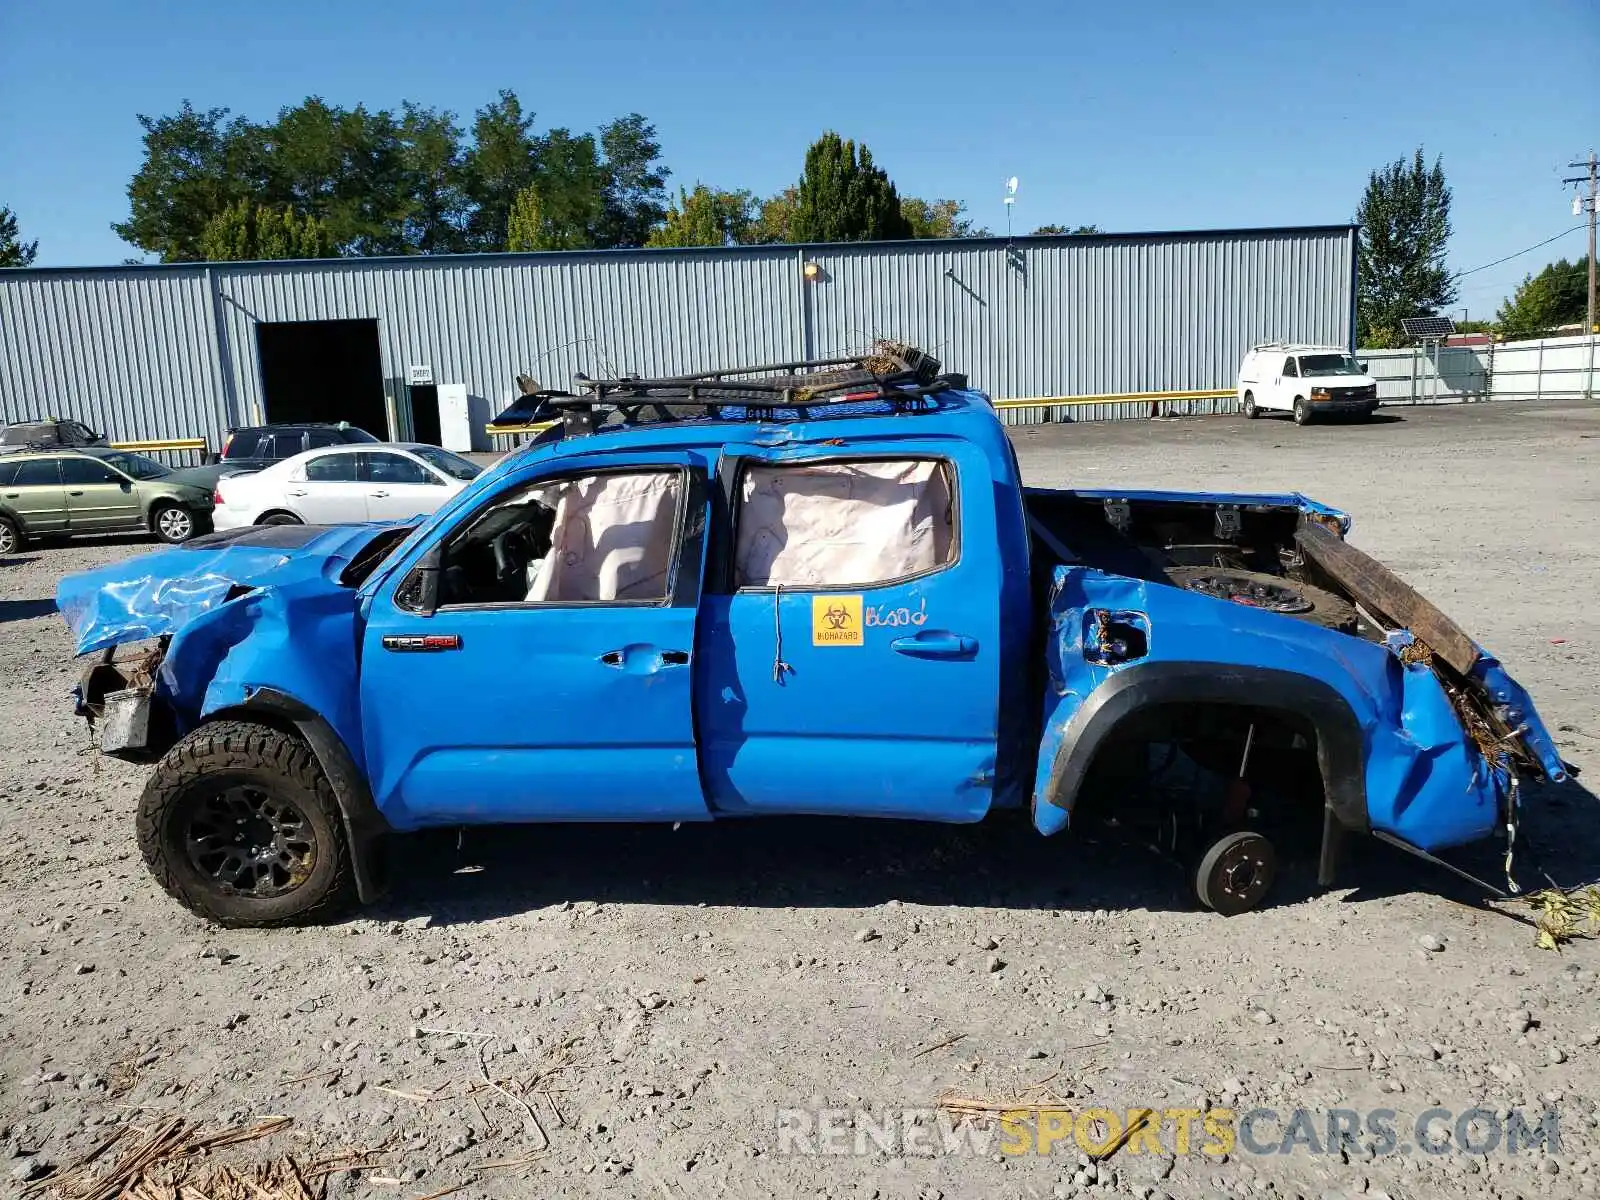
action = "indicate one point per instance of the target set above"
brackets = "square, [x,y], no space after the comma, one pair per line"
[52,433]
[258,446]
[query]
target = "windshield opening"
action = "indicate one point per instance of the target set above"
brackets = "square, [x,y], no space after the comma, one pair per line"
[137,466]
[1329,364]
[452,465]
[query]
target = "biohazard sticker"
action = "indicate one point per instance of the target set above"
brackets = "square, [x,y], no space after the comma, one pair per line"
[836,621]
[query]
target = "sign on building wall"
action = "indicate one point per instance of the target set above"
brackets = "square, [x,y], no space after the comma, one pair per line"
[419,376]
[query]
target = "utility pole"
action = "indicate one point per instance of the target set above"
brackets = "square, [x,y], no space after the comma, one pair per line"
[1593,180]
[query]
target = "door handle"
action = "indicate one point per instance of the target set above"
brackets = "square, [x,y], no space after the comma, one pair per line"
[644,660]
[77,493]
[294,492]
[378,495]
[936,643]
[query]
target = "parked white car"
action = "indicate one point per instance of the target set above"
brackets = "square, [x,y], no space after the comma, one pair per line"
[1308,381]
[342,485]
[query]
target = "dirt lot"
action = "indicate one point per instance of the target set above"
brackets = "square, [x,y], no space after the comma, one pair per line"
[655,1000]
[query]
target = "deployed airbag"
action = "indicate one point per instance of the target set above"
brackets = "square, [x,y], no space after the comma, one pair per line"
[842,524]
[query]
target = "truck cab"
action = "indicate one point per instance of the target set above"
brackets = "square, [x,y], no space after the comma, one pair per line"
[801,589]
[1307,382]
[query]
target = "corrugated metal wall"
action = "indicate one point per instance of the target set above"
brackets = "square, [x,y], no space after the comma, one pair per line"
[148,352]
[130,352]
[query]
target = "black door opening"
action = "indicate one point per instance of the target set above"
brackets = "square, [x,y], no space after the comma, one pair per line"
[425,413]
[323,371]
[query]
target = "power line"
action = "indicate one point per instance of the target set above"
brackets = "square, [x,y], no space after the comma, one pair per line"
[1519,253]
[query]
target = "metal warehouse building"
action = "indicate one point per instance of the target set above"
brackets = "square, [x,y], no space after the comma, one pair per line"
[1083,327]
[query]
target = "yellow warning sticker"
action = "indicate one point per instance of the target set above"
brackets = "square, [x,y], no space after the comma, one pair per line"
[836,621]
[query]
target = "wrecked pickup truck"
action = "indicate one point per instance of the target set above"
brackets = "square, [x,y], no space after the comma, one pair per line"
[804,588]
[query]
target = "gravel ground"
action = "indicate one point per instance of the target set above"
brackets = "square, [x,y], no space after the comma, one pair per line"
[667,996]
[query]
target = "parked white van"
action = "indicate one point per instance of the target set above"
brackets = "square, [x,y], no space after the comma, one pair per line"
[1308,381]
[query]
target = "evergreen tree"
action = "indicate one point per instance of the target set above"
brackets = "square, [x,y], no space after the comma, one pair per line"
[844,197]
[1405,230]
[14,252]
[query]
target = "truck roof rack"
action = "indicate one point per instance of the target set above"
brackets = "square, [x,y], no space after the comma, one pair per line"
[891,373]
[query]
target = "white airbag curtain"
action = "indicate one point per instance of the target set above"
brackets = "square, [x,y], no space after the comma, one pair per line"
[612,538]
[842,524]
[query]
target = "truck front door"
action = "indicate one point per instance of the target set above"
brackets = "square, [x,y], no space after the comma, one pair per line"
[549,678]
[850,660]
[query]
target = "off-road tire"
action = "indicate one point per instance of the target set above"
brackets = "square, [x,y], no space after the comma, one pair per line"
[1251,412]
[228,754]
[1326,609]
[10,536]
[1235,873]
[1302,411]
[173,531]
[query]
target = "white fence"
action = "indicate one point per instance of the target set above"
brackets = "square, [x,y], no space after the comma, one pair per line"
[1549,368]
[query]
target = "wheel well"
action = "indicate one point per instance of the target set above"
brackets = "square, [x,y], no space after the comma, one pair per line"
[274,512]
[156,505]
[1203,760]
[1149,702]
[365,827]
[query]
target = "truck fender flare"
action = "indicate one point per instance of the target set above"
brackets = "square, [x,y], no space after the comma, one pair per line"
[365,827]
[1341,756]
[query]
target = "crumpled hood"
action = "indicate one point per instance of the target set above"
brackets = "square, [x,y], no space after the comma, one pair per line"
[158,593]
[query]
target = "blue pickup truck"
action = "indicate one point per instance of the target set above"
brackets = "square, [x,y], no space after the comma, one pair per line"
[815,588]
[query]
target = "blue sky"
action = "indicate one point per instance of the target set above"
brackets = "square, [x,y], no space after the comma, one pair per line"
[1155,115]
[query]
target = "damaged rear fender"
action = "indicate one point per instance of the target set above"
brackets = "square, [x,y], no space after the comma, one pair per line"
[1340,752]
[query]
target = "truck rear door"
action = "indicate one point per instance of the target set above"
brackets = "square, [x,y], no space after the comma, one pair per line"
[849,656]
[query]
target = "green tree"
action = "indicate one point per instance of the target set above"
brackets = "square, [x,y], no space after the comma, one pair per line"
[1405,231]
[504,160]
[196,164]
[14,252]
[248,232]
[1060,230]
[525,226]
[347,168]
[571,181]
[939,219]
[634,200]
[773,223]
[706,217]
[438,211]
[1555,296]
[843,197]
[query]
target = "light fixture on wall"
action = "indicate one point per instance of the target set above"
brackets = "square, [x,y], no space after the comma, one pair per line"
[812,270]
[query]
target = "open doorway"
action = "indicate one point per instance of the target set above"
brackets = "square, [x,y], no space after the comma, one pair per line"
[425,413]
[323,371]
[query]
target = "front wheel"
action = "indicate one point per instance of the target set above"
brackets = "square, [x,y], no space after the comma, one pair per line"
[1235,872]
[240,826]
[172,524]
[1251,412]
[1302,411]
